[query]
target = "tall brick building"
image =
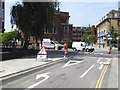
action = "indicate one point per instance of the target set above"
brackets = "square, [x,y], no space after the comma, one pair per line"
[79,31]
[61,29]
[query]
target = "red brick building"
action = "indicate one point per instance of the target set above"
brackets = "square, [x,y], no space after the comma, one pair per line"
[61,29]
[77,32]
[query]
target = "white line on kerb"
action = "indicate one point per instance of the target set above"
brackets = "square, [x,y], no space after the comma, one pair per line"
[87,71]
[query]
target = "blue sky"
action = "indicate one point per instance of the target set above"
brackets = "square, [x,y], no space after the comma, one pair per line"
[82,13]
[85,13]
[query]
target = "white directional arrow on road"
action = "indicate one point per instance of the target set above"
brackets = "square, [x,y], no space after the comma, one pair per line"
[71,62]
[45,75]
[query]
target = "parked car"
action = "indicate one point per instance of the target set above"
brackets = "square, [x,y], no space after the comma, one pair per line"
[59,46]
[78,46]
[51,44]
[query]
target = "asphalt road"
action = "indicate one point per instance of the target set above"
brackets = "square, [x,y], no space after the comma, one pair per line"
[90,70]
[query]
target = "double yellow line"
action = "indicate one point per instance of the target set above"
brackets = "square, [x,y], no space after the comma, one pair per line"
[100,80]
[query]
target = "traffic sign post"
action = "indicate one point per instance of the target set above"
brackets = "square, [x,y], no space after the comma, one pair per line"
[42,54]
[110,38]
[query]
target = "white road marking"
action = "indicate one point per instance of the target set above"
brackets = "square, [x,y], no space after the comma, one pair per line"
[74,62]
[96,53]
[101,66]
[99,60]
[87,71]
[54,59]
[101,53]
[39,76]
[92,57]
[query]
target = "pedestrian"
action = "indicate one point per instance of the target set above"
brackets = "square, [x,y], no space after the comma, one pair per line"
[65,50]
[103,45]
[83,48]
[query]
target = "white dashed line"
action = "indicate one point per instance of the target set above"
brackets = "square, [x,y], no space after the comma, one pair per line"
[87,71]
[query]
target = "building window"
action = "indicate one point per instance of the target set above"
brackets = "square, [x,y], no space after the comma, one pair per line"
[45,30]
[66,30]
[55,30]
[50,31]
[65,39]
[119,22]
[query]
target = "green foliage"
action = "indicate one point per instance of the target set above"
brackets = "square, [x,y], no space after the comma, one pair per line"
[69,42]
[112,31]
[84,38]
[32,17]
[92,38]
[88,37]
[9,36]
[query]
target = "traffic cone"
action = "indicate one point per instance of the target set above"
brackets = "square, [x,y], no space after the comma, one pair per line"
[108,51]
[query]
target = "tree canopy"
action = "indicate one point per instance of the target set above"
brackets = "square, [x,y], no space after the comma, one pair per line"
[9,36]
[114,33]
[32,17]
[87,37]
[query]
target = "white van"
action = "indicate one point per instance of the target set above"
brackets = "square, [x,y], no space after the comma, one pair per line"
[51,44]
[78,46]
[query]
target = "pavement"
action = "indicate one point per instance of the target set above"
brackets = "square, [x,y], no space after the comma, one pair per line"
[20,64]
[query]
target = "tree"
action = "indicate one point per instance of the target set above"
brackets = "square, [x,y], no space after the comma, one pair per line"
[112,31]
[9,37]
[88,37]
[32,17]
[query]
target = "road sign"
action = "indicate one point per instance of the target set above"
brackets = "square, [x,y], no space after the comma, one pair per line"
[109,35]
[117,38]
[42,54]
[109,38]
[42,51]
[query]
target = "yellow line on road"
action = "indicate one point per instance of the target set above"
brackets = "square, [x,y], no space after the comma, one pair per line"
[100,80]
[103,76]
[16,74]
[100,77]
